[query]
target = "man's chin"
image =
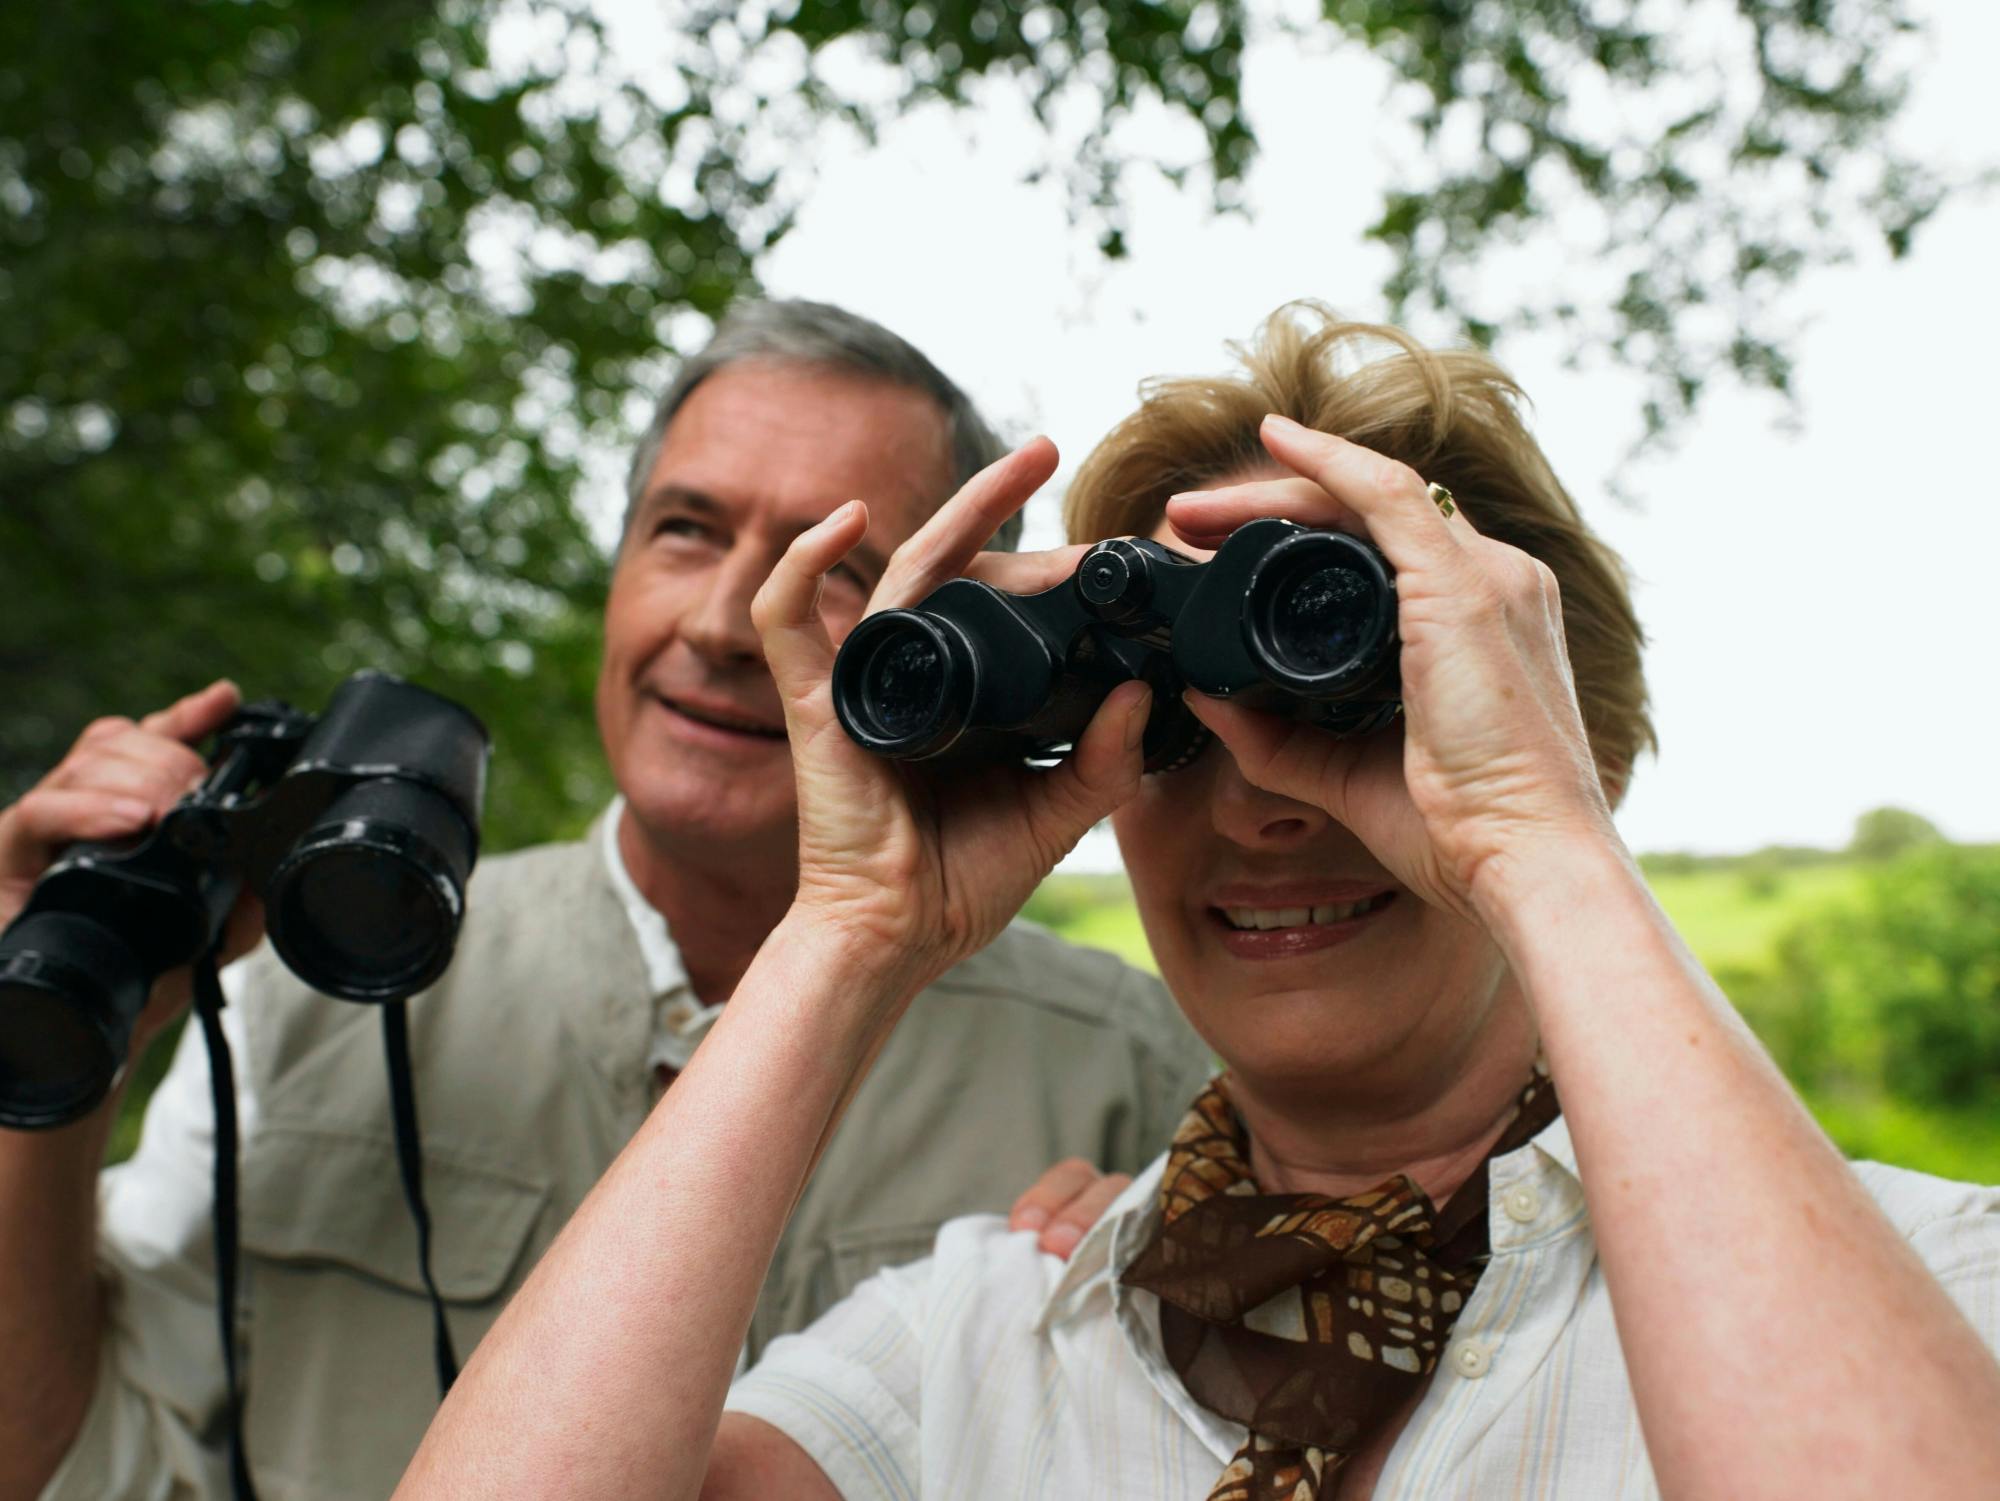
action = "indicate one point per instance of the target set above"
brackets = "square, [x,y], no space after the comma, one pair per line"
[686,815]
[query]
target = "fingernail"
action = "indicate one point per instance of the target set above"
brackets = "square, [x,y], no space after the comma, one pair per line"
[1279,420]
[132,811]
[1135,727]
[1032,1218]
[1062,1240]
[837,516]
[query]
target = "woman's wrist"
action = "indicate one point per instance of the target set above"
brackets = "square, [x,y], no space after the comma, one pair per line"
[879,968]
[1540,896]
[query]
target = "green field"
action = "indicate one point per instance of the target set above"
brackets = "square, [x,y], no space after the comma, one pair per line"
[1734,913]
[1734,918]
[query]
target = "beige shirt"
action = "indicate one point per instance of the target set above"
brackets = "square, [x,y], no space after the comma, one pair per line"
[990,1369]
[535,1060]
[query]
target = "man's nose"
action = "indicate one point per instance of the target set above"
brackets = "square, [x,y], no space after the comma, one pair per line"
[1249,816]
[719,626]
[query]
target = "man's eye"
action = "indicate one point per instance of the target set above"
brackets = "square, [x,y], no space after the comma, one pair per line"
[853,577]
[679,526]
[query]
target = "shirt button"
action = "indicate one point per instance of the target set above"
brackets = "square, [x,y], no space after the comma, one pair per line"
[1522,1203]
[1471,1359]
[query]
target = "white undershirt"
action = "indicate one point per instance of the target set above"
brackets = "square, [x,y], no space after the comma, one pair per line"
[681,1020]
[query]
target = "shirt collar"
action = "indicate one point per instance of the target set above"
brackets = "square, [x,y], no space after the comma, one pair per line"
[664,971]
[1106,1247]
[1553,1142]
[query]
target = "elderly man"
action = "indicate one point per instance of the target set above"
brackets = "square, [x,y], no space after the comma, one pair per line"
[585,977]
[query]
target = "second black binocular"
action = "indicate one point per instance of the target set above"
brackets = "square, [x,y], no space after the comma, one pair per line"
[1282,618]
[358,828]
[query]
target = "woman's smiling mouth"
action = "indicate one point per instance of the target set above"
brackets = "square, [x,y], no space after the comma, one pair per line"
[1280,932]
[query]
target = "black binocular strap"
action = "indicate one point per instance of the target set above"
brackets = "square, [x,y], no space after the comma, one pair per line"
[208,1004]
[410,1158]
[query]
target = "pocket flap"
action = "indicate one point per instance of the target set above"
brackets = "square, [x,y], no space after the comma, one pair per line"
[316,1195]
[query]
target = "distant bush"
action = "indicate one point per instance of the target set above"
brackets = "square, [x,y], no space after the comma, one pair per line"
[1898,991]
[1885,833]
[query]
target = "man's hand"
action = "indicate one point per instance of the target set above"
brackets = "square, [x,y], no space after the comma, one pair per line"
[1064,1203]
[116,781]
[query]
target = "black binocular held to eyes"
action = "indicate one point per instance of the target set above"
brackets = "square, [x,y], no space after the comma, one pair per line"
[358,828]
[1282,618]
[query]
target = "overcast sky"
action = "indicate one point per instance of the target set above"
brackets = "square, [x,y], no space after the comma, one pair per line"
[1820,601]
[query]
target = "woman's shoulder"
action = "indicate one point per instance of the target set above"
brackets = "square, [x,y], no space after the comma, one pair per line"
[977,1262]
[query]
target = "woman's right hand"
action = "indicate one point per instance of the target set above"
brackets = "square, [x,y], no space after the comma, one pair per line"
[924,865]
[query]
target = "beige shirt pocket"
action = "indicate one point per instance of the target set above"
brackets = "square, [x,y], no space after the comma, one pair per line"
[341,1378]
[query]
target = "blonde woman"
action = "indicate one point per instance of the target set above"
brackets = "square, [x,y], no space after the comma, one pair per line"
[1496,1196]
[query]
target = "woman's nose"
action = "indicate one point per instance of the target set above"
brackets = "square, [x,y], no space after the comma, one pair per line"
[1254,818]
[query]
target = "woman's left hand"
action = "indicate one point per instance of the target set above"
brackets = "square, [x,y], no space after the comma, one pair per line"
[1492,763]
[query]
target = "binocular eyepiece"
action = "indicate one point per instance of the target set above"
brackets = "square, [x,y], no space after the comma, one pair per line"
[1282,618]
[359,829]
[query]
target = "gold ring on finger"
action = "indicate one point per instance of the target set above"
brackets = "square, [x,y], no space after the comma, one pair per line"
[1447,507]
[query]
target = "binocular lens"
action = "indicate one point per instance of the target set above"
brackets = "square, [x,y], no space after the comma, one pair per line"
[899,687]
[1320,617]
[367,905]
[903,684]
[70,991]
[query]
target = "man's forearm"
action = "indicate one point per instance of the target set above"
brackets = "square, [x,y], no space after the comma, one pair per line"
[1779,1332]
[51,1301]
[606,1375]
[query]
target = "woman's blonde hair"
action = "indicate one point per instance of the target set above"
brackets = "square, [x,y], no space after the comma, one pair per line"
[1453,415]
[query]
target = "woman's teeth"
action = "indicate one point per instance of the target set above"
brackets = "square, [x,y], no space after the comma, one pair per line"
[1299,917]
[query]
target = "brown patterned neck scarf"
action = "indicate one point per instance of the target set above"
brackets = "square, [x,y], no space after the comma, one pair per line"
[1308,1319]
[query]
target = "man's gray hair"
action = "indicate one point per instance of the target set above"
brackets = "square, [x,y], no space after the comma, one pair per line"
[819,334]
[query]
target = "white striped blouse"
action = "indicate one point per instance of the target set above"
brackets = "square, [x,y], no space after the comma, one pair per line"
[992,1370]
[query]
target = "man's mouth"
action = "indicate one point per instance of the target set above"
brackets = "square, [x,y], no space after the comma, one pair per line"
[717,717]
[1265,919]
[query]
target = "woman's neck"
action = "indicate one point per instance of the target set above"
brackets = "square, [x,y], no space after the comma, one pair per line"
[1437,1124]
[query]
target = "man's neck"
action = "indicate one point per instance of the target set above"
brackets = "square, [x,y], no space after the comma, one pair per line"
[720,903]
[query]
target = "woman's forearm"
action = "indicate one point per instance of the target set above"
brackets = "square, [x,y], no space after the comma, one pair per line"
[606,1375]
[1782,1338]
